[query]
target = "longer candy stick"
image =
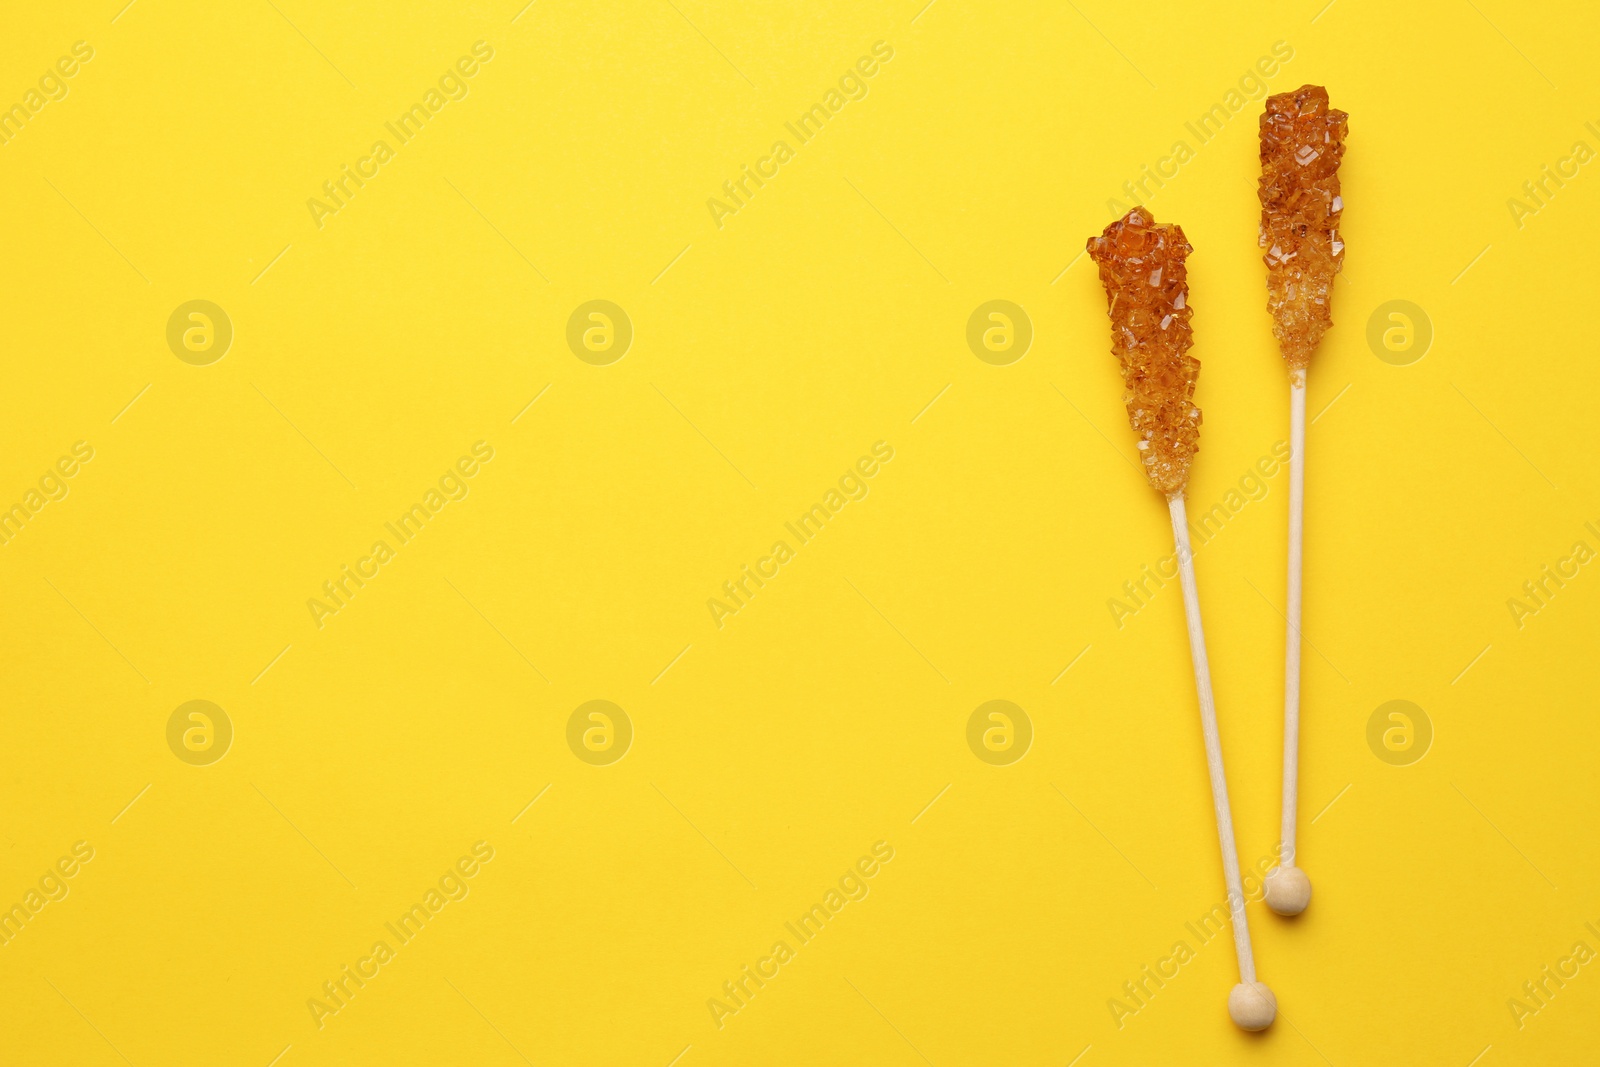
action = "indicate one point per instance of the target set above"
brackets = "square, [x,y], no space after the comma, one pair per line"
[1142,267]
[1302,141]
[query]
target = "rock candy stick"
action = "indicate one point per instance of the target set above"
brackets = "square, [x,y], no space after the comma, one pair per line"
[1142,267]
[1302,141]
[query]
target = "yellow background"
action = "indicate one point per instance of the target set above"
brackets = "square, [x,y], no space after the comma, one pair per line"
[768,356]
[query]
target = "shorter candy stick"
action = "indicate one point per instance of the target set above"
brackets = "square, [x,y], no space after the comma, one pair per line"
[1302,142]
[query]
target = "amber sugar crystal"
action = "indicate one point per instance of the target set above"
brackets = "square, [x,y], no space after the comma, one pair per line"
[1302,141]
[1147,296]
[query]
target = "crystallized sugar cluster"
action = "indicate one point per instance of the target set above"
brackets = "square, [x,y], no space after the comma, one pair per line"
[1141,266]
[1302,140]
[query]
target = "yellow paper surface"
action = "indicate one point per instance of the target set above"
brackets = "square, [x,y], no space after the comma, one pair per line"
[399,219]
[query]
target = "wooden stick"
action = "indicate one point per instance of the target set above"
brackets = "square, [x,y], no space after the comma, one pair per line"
[1288,890]
[1251,1003]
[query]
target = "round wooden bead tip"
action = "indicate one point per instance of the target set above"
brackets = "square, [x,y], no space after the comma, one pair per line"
[1288,890]
[1252,1006]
